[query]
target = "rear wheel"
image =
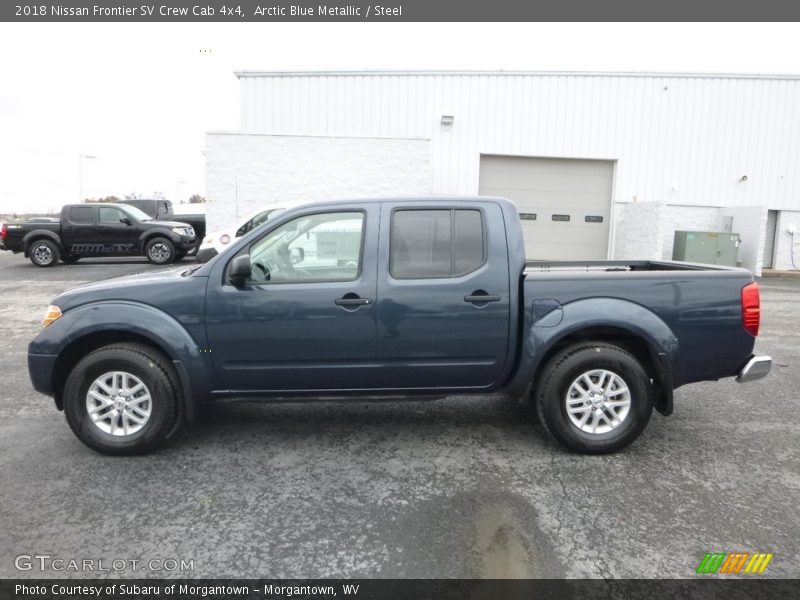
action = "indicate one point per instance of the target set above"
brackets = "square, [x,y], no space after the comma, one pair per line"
[160,251]
[594,398]
[121,399]
[43,253]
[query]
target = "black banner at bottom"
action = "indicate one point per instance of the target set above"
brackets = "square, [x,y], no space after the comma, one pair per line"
[395,589]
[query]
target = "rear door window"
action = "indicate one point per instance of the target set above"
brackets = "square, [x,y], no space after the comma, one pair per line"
[81,215]
[436,243]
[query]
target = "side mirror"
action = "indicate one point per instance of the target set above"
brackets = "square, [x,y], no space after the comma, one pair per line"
[239,271]
[297,255]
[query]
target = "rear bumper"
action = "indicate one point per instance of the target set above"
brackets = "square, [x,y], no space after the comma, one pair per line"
[756,368]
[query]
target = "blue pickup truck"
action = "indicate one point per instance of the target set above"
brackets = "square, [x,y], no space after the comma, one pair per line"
[412,298]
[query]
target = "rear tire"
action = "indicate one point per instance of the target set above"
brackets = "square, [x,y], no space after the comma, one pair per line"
[594,398]
[121,399]
[43,253]
[160,251]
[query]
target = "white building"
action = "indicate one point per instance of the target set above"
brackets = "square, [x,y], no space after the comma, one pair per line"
[610,164]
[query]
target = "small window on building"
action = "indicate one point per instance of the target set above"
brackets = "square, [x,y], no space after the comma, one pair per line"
[593,219]
[81,215]
[560,217]
[432,244]
[527,216]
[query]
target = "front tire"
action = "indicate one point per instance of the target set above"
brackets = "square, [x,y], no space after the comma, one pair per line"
[44,253]
[160,251]
[121,399]
[594,398]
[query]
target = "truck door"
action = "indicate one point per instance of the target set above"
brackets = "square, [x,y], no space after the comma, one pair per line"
[443,295]
[116,231]
[305,320]
[78,232]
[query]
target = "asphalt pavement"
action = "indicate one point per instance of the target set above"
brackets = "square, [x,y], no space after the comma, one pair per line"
[454,488]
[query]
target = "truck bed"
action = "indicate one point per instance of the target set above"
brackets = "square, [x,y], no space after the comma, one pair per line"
[701,305]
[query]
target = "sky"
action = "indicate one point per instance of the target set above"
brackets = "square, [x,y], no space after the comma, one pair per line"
[139,97]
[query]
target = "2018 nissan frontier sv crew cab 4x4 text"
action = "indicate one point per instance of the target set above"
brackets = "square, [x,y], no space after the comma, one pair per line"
[394,298]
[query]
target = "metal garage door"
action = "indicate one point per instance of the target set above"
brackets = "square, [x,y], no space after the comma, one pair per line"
[565,204]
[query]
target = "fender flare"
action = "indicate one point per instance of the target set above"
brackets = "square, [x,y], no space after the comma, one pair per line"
[629,317]
[36,234]
[141,320]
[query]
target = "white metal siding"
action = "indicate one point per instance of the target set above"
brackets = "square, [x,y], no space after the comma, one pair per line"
[677,139]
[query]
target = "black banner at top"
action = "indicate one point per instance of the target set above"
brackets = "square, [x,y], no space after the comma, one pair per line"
[252,11]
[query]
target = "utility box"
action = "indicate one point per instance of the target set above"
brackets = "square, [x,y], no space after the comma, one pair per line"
[708,247]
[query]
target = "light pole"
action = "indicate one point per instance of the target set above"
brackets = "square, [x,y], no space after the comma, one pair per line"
[80,174]
[178,190]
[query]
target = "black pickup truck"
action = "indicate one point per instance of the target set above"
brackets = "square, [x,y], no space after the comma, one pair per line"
[162,210]
[98,230]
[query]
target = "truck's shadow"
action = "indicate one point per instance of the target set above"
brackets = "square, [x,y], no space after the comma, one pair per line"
[241,419]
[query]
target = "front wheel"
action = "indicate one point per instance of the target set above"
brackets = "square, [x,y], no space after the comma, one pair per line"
[160,251]
[44,253]
[121,399]
[594,398]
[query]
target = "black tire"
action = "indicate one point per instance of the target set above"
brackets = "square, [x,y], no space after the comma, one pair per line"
[564,369]
[180,256]
[44,253]
[151,369]
[70,260]
[160,251]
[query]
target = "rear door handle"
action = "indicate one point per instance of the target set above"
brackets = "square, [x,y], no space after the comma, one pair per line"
[481,298]
[352,301]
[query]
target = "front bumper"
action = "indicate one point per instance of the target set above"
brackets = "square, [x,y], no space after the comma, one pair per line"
[186,243]
[756,368]
[40,369]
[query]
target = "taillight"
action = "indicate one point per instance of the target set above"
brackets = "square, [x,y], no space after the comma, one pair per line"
[751,308]
[3,231]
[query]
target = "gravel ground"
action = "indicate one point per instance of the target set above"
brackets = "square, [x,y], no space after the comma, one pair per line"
[462,487]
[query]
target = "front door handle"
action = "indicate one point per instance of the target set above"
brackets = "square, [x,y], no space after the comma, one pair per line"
[352,300]
[481,297]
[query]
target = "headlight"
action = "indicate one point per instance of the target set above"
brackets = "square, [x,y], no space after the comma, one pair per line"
[53,313]
[188,231]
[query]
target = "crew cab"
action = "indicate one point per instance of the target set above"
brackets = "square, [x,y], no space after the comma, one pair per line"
[97,230]
[400,298]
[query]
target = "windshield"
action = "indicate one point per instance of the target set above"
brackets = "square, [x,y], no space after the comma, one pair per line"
[134,212]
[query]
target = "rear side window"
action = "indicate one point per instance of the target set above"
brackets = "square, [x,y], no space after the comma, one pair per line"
[432,244]
[82,215]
